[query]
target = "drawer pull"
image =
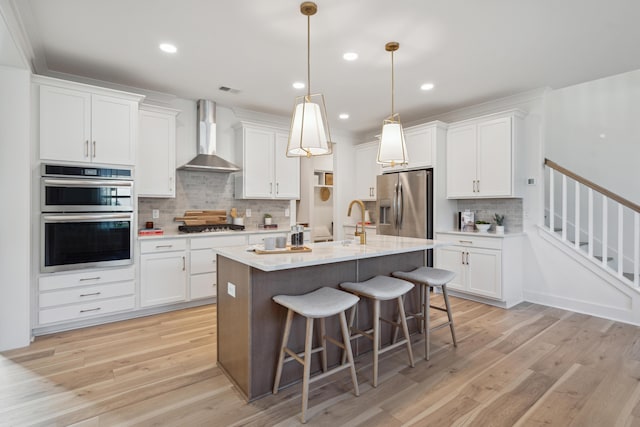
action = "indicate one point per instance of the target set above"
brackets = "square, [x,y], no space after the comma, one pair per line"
[90,309]
[90,295]
[466,241]
[90,278]
[163,246]
[184,264]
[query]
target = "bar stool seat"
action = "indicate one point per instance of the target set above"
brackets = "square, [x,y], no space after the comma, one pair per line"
[428,278]
[381,288]
[319,304]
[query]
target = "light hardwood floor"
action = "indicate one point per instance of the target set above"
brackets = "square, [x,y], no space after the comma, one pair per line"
[528,366]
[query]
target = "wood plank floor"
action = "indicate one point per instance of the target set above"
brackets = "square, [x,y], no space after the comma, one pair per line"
[528,366]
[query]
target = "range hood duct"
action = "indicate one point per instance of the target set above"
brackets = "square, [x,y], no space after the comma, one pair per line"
[207,160]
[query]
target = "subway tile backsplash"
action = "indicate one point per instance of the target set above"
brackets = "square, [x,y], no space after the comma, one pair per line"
[206,190]
[484,210]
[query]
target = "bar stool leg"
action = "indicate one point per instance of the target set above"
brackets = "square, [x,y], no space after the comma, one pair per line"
[323,338]
[405,329]
[427,322]
[376,339]
[349,354]
[449,314]
[285,340]
[352,318]
[307,368]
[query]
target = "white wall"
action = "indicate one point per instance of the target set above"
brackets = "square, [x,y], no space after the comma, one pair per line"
[15,190]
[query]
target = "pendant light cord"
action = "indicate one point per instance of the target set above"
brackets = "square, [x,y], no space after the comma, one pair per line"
[308,57]
[392,87]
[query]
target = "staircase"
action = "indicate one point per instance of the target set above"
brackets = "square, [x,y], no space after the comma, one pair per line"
[599,225]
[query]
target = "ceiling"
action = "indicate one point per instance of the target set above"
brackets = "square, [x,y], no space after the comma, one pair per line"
[473,51]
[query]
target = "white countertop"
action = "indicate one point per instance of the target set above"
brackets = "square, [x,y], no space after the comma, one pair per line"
[490,233]
[170,234]
[327,252]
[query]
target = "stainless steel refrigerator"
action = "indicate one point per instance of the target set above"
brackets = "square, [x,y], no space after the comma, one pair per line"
[404,204]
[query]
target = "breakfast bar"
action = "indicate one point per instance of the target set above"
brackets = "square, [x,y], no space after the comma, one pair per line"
[250,323]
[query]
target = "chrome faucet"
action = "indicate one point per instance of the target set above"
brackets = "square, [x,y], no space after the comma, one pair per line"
[362,234]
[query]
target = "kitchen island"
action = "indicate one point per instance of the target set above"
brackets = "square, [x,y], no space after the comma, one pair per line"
[250,324]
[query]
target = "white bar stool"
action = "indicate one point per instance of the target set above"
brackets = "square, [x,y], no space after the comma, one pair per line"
[381,288]
[427,278]
[319,304]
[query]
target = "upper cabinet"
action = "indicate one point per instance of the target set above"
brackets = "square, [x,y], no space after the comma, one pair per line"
[267,173]
[421,142]
[481,156]
[366,171]
[156,160]
[81,123]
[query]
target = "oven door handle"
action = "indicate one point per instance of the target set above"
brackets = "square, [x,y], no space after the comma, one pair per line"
[86,183]
[87,217]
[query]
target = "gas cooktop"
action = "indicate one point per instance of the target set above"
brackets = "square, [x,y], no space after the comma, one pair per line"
[209,228]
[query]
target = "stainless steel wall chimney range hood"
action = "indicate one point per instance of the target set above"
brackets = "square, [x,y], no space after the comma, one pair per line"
[207,160]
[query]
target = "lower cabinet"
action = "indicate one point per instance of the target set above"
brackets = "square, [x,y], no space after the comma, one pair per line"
[486,266]
[163,271]
[67,297]
[202,266]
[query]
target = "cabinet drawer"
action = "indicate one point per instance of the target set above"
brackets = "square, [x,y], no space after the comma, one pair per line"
[85,294]
[471,240]
[89,277]
[203,261]
[86,310]
[218,242]
[256,239]
[162,245]
[203,285]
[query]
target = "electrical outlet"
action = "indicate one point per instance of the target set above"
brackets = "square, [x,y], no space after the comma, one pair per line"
[231,289]
[286,212]
[155,213]
[247,213]
[531,181]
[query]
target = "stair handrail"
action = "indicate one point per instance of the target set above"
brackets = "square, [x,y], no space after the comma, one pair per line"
[611,195]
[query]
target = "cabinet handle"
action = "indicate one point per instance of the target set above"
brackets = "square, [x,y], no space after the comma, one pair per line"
[462,257]
[163,246]
[94,149]
[277,188]
[90,309]
[86,148]
[84,279]
[478,181]
[184,264]
[271,188]
[466,241]
[467,258]
[90,295]
[474,185]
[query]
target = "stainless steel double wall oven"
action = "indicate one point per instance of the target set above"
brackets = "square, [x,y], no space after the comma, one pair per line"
[86,217]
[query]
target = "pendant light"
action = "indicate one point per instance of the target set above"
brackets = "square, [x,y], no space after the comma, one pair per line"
[392,150]
[309,133]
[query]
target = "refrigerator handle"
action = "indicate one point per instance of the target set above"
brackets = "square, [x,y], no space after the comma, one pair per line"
[395,206]
[400,206]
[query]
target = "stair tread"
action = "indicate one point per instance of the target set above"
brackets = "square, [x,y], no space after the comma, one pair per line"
[628,276]
[599,257]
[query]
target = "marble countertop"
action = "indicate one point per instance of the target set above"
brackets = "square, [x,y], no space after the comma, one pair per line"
[173,233]
[326,252]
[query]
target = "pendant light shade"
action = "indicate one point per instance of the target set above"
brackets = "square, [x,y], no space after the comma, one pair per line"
[392,149]
[309,134]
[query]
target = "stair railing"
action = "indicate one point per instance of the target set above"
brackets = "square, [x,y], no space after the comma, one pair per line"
[622,207]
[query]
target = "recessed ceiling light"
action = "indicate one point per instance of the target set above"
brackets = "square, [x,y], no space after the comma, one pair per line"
[298,85]
[427,86]
[344,116]
[168,47]
[350,56]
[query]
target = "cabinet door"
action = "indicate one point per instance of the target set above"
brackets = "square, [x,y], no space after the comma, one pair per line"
[461,161]
[113,130]
[420,148]
[366,171]
[163,278]
[451,258]
[65,124]
[484,272]
[156,165]
[287,170]
[259,180]
[494,173]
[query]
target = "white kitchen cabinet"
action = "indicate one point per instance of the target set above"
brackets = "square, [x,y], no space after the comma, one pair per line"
[366,170]
[81,123]
[203,263]
[91,293]
[163,271]
[481,157]
[156,160]
[421,141]
[267,173]
[486,266]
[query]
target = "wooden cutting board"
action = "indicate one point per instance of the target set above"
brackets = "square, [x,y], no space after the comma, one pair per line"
[203,217]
